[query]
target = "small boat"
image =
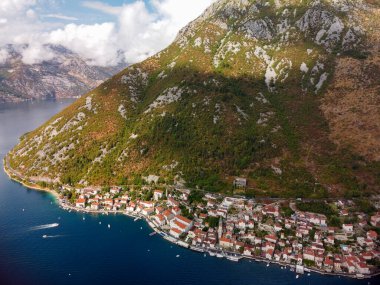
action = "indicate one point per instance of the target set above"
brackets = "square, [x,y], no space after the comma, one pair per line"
[100,223]
[177,255]
[140,228]
[152,234]
[204,255]
[212,253]
[308,274]
[219,255]
[297,276]
[233,258]
[109,226]
[267,264]
[23,210]
[136,219]
[44,236]
[84,218]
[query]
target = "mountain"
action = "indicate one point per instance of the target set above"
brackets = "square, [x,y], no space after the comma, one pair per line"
[284,93]
[67,75]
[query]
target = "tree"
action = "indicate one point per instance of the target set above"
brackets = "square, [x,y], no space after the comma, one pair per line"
[213,222]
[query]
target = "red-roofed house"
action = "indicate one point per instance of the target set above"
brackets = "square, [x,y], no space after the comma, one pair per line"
[271,238]
[225,242]
[372,235]
[175,232]
[80,203]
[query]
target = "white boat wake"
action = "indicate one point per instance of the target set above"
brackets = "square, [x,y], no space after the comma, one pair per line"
[43,227]
[56,236]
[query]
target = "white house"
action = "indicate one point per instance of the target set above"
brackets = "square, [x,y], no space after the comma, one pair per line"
[95,206]
[158,194]
[147,211]
[348,228]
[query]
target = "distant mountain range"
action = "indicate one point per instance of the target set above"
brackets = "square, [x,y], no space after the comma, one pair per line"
[67,75]
[283,93]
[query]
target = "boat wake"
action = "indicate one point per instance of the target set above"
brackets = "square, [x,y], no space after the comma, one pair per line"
[56,236]
[43,227]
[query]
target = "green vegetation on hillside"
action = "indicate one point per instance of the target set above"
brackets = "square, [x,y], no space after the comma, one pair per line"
[218,103]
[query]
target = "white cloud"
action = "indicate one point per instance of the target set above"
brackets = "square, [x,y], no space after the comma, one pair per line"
[141,33]
[60,17]
[136,33]
[96,43]
[15,6]
[105,8]
[3,55]
[36,53]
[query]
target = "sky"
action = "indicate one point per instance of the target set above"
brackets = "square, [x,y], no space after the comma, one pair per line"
[103,32]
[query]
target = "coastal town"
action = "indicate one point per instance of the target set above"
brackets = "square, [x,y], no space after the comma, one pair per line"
[337,237]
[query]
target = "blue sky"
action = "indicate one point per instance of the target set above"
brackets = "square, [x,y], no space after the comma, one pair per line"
[76,9]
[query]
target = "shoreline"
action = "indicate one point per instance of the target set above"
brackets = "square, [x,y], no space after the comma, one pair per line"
[21,181]
[164,235]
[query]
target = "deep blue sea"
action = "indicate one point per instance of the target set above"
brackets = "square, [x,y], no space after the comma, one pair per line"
[81,251]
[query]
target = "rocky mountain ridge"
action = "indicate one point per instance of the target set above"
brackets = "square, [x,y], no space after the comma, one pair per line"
[67,75]
[247,89]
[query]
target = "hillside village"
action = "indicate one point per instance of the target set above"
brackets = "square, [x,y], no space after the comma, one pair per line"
[345,243]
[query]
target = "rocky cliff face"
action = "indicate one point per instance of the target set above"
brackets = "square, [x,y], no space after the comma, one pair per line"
[250,88]
[65,76]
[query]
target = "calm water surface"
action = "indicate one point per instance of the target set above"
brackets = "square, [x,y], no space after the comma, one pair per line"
[85,252]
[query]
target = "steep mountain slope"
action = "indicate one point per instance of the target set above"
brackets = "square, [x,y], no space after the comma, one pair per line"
[239,93]
[64,76]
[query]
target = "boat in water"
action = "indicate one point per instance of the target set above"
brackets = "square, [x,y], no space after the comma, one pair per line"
[219,255]
[109,226]
[297,276]
[44,236]
[177,255]
[152,234]
[212,253]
